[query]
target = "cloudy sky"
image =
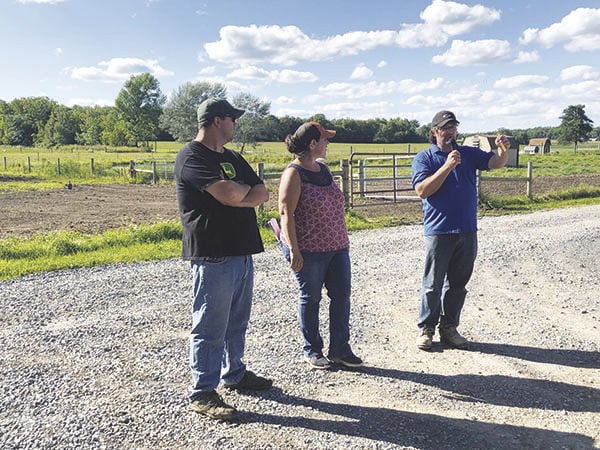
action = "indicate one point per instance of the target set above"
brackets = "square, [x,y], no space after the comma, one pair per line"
[504,63]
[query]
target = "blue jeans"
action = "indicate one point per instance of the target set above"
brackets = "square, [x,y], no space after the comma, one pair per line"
[449,261]
[222,289]
[332,270]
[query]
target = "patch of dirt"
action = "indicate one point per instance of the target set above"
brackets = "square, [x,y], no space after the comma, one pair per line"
[86,208]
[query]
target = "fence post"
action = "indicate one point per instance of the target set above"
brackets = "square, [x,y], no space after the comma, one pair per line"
[153,172]
[29,164]
[92,166]
[529,179]
[58,166]
[362,182]
[261,174]
[5,166]
[346,182]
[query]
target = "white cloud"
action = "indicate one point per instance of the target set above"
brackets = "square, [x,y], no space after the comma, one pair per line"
[117,70]
[577,31]
[58,51]
[283,76]
[526,57]
[582,71]
[382,64]
[519,81]
[361,72]
[465,53]
[373,88]
[457,18]
[208,70]
[289,45]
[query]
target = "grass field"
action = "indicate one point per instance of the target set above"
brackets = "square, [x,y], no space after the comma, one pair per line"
[26,168]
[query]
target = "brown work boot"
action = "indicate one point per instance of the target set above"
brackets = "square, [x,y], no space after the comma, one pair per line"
[450,337]
[212,405]
[425,339]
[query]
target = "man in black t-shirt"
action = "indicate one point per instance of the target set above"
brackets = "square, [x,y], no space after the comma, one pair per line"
[217,191]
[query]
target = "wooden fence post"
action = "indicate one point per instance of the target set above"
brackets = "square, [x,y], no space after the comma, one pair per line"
[58,166]
[153,172]
[29,164]
[92,166]
[346,182]
[529,179]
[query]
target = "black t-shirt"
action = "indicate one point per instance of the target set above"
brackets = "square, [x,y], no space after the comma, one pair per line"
[209,227]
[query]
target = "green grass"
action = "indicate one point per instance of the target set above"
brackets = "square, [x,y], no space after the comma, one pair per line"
[579,196]
[70,250]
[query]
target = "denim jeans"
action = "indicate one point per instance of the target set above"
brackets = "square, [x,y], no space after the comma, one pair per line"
[222,289]
[332,270]
[449,260]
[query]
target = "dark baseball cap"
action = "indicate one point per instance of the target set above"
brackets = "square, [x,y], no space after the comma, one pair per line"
[442,118]
[217,107]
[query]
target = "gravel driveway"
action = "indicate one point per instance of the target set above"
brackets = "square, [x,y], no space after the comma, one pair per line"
[96,358]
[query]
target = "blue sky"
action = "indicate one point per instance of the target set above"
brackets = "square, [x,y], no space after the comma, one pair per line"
[509,63]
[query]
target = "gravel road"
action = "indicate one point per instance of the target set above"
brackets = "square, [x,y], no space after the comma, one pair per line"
[96,358]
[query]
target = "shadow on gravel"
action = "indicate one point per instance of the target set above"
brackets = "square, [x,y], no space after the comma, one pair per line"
[572,358]
[503,390]
[403,428]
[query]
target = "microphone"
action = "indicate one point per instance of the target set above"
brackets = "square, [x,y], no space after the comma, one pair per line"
[454,147]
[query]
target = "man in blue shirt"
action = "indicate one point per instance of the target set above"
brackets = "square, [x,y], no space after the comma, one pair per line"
[444,177]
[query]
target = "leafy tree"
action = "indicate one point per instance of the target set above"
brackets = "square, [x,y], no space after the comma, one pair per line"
[179,116]
[398,130]
[30,116]
[17,131]
[91,123]
[575,125]
[61,128]
[252,124]
[115,131]
[139,105]
[288,125]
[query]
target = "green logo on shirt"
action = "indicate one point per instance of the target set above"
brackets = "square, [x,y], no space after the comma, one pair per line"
[228,169]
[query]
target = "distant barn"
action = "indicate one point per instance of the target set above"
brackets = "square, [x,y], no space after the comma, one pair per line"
[488,143]
[538,145]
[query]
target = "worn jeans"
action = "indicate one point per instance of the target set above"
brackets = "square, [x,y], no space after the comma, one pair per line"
[449,261]
[332,270]
[222,289]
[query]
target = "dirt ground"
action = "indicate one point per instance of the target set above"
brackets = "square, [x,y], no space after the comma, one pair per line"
[97,208]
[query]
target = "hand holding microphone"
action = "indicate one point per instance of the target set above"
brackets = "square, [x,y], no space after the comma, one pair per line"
[454,156]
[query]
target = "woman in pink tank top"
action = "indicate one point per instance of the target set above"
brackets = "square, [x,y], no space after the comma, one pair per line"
[314,240]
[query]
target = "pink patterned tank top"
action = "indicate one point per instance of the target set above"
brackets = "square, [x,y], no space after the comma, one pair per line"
[319,215]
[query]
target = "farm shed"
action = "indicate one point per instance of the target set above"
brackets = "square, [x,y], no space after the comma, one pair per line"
[488,143]
[541,143]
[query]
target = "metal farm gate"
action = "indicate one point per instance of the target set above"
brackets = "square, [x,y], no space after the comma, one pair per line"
[379,178]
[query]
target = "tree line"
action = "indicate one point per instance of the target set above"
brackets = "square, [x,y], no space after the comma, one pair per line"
[143,114]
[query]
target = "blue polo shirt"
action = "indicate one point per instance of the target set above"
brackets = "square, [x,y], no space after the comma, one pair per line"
[453,208]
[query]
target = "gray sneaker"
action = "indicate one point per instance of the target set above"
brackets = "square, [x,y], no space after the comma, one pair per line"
[318,362]
[212,405]
[425,339]
[451,337]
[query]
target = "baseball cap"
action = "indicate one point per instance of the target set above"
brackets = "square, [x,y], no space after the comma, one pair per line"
[442,118]
[312,130]
[217,107]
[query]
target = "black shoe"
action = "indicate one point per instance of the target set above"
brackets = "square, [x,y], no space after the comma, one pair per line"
[212,405]
[252,382]
[349,361]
